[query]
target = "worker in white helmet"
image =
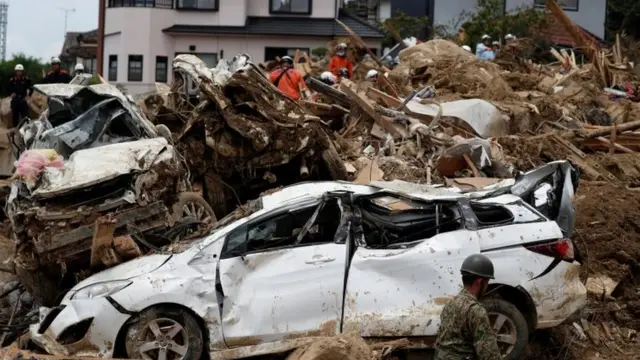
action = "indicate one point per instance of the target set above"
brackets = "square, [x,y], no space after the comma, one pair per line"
[20,87]
[289,80]
[57,75]
[495,46]
[467,47]
[371,75]
[340,61]
[78,70]
[328,78]
[484,50]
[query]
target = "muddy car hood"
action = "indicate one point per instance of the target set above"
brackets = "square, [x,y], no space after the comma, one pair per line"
[93,166]
[128,270]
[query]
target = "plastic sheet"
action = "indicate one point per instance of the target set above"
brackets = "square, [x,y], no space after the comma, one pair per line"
[32,163]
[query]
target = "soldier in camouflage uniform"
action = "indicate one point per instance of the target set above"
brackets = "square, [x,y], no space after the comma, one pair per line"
[465,332]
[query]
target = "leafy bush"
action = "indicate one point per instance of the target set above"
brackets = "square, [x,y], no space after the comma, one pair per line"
[405,26]
[319,52]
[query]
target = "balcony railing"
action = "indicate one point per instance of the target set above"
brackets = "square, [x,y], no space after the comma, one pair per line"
[162,4]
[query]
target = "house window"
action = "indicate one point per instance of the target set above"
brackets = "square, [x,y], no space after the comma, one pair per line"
[569,5]
[162,66]
[135,68]
[270,53]
[211,59]
[164,4]
[89,65]
[113,67]
[198,4]
[290,6]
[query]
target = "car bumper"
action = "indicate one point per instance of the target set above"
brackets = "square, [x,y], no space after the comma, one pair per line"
[558,295]
[79,328]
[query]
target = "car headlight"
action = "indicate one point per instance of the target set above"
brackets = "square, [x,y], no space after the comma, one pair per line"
[100,290]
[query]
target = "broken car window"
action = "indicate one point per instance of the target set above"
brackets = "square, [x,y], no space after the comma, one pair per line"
[390,221]
[491,214]
[282,230]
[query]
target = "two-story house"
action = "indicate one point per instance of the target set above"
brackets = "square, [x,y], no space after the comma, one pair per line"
[141,37]
[588,14]
[80,48]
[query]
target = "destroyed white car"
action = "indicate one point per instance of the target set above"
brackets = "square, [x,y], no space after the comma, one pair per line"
[318,259]
[122,190]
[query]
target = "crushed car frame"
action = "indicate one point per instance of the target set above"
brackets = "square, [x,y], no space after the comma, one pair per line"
[123,189]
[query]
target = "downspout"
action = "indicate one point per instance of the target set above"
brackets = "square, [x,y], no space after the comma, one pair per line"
[100,50]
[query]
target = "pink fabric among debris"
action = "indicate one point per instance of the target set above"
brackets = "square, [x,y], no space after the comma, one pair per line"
[32,162]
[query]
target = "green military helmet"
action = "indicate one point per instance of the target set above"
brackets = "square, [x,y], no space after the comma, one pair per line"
[478,265]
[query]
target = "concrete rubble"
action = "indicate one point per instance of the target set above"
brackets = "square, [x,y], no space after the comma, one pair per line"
[143,175]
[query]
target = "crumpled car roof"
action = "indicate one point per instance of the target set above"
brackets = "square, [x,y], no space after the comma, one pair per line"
[92,166]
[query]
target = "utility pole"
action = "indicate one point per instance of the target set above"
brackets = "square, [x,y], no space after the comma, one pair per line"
[66,16]
[4,19]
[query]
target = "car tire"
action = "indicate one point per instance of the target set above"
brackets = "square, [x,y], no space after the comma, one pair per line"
[147,335]
[513,327]
[190,202]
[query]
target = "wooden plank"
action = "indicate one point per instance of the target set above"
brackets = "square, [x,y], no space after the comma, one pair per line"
[365,103]
[331,92]
[320,109]
[386,86]
[395,103]
[102,238]
[615,145]
[471,165]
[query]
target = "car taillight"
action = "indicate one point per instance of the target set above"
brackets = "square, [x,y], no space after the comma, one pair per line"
[561,249]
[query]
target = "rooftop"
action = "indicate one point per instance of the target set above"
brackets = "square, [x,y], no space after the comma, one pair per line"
[282,26]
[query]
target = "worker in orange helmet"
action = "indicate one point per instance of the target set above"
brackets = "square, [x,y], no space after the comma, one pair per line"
[289,80]
[340,61]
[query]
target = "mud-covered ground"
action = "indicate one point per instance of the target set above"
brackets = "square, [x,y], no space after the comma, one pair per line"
[608,238]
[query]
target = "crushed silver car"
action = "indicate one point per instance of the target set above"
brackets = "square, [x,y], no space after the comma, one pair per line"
[122,190]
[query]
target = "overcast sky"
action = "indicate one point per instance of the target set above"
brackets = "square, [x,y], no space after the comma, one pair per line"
[36,27]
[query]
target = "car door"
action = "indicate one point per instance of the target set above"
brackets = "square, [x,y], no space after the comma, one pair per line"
[280,285]
[401,291]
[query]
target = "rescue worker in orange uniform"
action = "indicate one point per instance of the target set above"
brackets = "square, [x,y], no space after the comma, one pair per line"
[340,61]
[288,80]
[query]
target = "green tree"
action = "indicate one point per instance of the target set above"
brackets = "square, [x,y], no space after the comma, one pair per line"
[32,66]
[490,18]
[319,52]
[405,26]
[623,16]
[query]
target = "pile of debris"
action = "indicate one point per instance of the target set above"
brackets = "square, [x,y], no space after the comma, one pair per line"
[102,179]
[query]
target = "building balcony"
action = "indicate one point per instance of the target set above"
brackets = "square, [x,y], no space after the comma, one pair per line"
[162,4]
[206,5]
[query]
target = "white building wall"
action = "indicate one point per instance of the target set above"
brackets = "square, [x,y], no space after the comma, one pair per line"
[138,31]
[319,8]
[384,10]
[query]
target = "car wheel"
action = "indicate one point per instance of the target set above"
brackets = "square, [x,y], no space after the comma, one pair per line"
[512,330]
[164,334]
[193,205]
